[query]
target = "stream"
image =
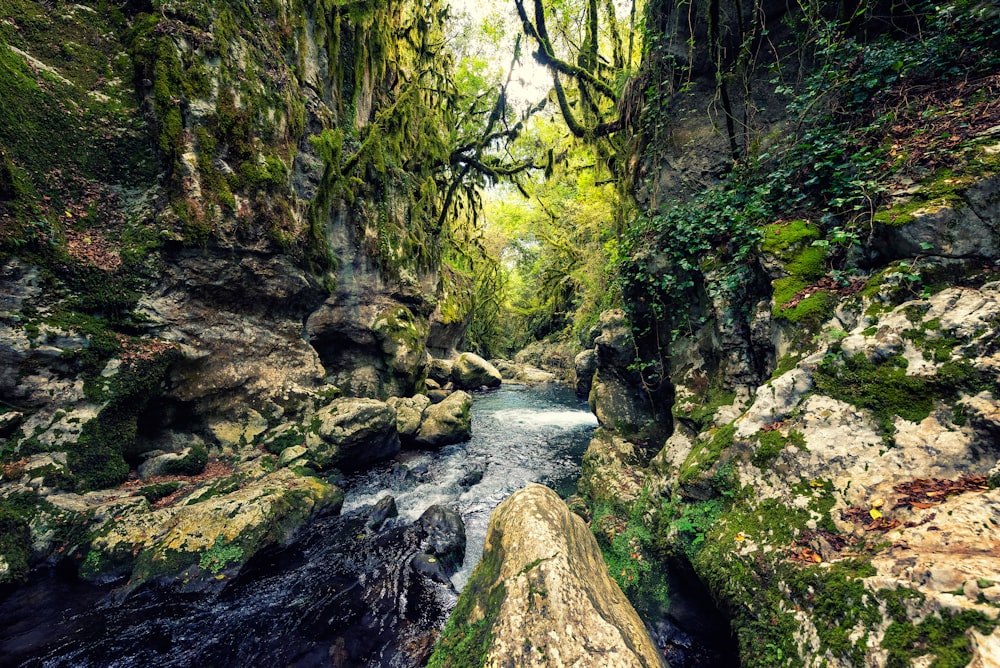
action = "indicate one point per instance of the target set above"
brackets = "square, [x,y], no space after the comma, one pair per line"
[343,593]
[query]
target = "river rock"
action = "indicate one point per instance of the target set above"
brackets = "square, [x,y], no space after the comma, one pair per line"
[353,433]
[471,478]
[438,395]
[409,413]
[383,509]
[292,454]
[429,566]
[202,539]
[542,595]
[470,371]
[447,422]
[444,536]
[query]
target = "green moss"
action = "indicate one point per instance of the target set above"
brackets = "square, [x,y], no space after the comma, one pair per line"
[463,643]
[840,606]
[699,409]
[191,464]
[288,438]
[98,459]
[812,310]
[932,344]
[626,543]
[944,189]
[883,388]
[154,493]
[804,264]
[706,452]
[942,635]
[771,443]
[780,237]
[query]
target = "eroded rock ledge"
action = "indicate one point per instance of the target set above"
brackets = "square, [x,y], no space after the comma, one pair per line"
[542,596]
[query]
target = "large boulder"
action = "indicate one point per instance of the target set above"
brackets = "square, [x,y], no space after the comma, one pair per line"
[193,544]
[352,433]
[542,595]
[470,371]
[447,422]
[619,404]
[409,413]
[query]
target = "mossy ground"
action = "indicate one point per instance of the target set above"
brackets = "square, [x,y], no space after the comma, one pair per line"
[463,642]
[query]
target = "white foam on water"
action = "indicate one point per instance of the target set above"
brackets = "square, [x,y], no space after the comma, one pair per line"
[533,417]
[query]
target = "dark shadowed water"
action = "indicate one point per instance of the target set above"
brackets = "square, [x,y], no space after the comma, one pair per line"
[341,594]
[344,594]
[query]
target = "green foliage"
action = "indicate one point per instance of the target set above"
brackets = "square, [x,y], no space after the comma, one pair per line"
[628,548]
[942,635]
[665,253]
[16,512]
[833,167]
[220,556]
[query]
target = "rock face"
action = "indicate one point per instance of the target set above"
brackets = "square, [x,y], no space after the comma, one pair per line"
[470,371]
[210,533]
[226,269]
[542,596]
[616,394]
[353,433]
[446,422]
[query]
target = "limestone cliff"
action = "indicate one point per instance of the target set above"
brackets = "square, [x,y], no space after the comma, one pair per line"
[813,293]
[216,216]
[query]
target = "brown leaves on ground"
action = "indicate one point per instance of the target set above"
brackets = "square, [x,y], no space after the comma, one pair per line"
[932,121]
[928,492]
[810,546]
[90,247]
[863,516]
[142,350]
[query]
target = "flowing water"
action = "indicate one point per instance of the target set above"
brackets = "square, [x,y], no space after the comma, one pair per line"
[519,435]
[342,594]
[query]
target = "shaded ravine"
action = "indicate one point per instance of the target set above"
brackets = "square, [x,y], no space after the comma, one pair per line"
[342,594]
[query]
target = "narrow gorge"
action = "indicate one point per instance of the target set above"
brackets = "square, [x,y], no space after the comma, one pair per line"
[300,300]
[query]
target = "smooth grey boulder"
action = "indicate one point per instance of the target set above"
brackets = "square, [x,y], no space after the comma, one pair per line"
[353,433]
[470,371]
[447,422]
[543,590]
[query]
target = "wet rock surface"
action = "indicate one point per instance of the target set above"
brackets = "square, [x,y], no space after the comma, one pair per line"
[339,595]
[558,605]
